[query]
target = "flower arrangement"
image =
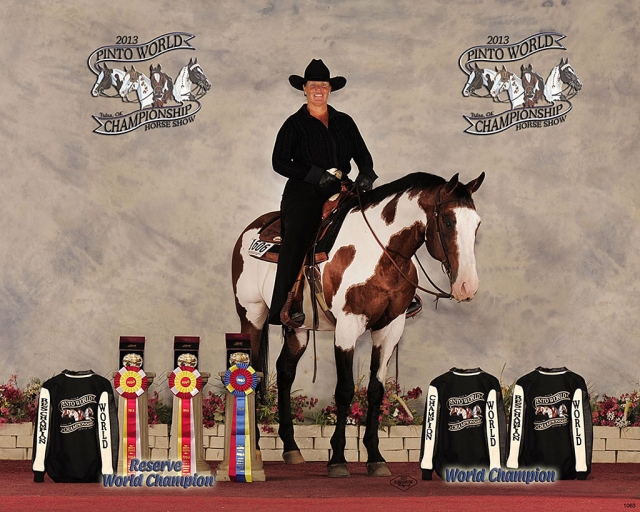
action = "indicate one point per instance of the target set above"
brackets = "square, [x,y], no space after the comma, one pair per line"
[621,412]
[397,408]
[213,409]
[158,412]
[19,405]
[267,408]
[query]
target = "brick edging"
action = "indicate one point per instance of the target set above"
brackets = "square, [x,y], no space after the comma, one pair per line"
[397,444]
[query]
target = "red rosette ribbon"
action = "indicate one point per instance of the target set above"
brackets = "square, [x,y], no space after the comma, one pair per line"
[130,382]
[185,382]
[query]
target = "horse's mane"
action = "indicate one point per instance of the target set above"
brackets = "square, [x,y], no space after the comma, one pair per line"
[416,180]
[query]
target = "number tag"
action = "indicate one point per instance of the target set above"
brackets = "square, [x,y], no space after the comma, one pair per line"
[259,247]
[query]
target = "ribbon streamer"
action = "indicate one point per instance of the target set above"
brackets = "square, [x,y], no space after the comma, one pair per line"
[130,383]
[185,383]
[240,380]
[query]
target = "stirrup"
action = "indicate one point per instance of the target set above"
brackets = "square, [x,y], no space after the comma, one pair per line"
[414,308]
[290,317]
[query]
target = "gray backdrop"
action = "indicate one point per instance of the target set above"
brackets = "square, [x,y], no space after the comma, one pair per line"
[104,236]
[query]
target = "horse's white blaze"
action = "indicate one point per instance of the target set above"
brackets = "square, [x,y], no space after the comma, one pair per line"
[94,91]
[466,284]
[553,85]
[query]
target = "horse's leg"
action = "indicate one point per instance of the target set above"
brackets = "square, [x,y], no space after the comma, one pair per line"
[337,466]
[295,343]
[384,342]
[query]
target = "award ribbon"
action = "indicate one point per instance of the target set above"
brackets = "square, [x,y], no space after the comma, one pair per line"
[185,383]
[130,383]
[240,380]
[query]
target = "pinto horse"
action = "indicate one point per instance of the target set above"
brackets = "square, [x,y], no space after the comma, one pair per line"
[365,290]
[562,84]
[533,85]
[135,81]
[478,78]
[162,86]
[507,81]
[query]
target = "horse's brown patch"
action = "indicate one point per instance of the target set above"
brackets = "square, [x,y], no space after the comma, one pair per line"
[334,270]
[388,214]
[387,293]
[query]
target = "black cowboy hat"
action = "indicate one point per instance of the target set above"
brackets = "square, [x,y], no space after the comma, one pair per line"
[317,71]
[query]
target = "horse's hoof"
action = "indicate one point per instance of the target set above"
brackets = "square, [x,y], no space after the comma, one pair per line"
[338,471]
[293,457]
[378,469]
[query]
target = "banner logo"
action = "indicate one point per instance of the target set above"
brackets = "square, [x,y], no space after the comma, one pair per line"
[464,413]
[77,413]
[532,101]
[161,101]
[551,411]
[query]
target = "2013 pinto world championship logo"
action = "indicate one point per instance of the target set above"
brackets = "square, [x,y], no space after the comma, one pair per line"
[156,100]
[531,101]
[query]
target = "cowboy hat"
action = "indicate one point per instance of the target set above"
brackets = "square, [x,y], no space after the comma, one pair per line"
[318,72]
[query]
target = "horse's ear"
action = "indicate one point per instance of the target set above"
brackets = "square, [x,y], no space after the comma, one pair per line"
[451,184]
[474,185]
[133,68]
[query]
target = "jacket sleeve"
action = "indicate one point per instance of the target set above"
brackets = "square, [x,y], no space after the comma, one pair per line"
[517,426]
[41,435]
[496,430]
[582,432]
[283,160]
[108,438]
[429,430]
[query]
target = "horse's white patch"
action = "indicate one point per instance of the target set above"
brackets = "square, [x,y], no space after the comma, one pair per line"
[466,284]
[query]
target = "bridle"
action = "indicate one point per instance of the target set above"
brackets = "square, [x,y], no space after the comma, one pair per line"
[446,266]
[107,82]
[567,77]
[197,78]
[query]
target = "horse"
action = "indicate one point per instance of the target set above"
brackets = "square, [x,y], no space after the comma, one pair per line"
[107,77]
[162,86]
[135,81]
[560,76]
[507,81]
[533,85]
[477,78]
[190,74]
[367,281]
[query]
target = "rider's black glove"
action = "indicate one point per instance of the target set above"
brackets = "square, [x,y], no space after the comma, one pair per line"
[327,180]
[364,182]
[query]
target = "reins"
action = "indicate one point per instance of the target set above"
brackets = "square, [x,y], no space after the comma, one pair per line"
[440,294]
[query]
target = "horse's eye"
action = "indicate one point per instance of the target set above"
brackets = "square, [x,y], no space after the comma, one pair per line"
[448,224]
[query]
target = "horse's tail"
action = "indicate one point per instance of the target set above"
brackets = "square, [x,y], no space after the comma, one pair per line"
[263,360]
